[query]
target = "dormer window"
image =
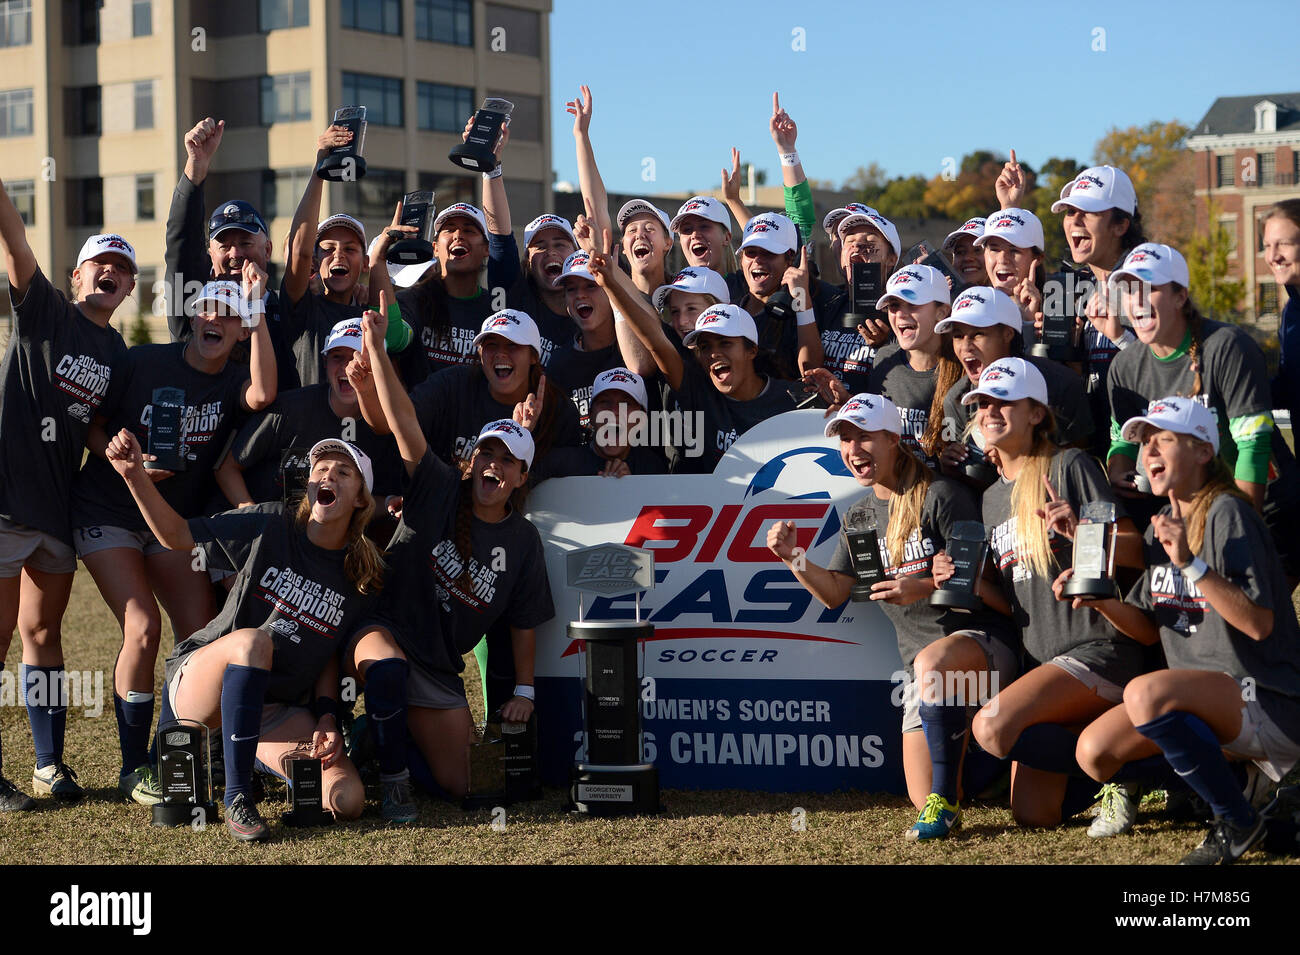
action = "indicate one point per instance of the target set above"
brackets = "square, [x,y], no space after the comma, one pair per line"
[1266,116]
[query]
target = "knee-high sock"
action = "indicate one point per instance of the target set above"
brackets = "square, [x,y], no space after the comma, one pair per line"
[243,690]
[1080,793]
[945,734]
[47,711]
[1152,772]
[386,707]
[1049,747]
[422,773]
[979,770]
[134,717]
[1196,755]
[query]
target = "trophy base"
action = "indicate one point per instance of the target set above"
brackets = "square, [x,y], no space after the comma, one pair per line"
[307,818]
[173,815]
[981,472]
[614,790]
[473,158]
[850,321]
[164,466]
[1090,588]
[340,167]
[956,600]
[409,251]
[1056,352]
[862,592]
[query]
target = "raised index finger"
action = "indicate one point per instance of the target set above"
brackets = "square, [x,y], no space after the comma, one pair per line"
[1051,491]
[1013,158]
[776,103]
[1175,509]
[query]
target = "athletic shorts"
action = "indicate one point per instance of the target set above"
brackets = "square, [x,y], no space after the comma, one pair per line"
[22,546]
[90,540]
[441,691]
[1262,741]
[1107,689]
[273,714]
[1003,667]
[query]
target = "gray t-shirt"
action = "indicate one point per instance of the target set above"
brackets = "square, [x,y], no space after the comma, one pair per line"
[1049,627]
[911,390]
[1065,396]
[918,625]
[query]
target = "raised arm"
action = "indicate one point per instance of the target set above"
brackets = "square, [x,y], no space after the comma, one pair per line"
[302,233]
[262,382]
[172,530]
[798,194]
[394,401]
[496,207]
[589,181]
[646,341]
[186,255]
[20,261]
[830,587]
[731,191]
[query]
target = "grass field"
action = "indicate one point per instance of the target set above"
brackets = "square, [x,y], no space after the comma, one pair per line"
[697,827]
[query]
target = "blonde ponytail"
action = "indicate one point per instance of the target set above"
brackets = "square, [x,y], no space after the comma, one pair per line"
[905,506]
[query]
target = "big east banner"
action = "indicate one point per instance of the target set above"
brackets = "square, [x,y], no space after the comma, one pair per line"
[749,681]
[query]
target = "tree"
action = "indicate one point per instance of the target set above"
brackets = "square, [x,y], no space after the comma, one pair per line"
[1214,292]
[903,198]
[868,182]
[138,334]
[1160,168]
[1052,177]
[971,192]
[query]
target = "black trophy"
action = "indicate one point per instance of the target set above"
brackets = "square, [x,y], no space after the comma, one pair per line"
[866,285]
[780,305]
[407,249]
[977,466]
[345,163]
[165,438]
[614,779]
[1094,553]
[306,794]
[294,471]
[503,764]
[477,152]
[864,549]
[927,253]
[184,775]
[1059,338]
[967,546]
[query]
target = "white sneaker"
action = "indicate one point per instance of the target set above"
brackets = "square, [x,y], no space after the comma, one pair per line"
[1118,810]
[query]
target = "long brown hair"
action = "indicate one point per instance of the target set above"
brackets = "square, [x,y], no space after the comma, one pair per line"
[1219,480]
[1196,325]
[946,374]
[363,563]
[914,479]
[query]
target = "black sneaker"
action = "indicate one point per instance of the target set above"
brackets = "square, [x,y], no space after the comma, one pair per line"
[244,821]
[13,799]
[1224,844]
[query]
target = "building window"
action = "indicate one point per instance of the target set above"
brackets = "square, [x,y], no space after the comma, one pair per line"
[15,112]
[520,30]
[376,16]
[80,22]
[144,291]
[445,21]
[281,190]
[82,111]
[144,104]
[15,22]
[448,190]
[1268,169]
[374,197]
[380,95]
[443,109]
[141,18]
[281,14]
[286,98]
[86,202]
[22,193]
[526,120]
[144,207]
[1266,299]
[1226,171]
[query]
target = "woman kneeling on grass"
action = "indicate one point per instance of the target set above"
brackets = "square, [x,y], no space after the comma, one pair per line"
[266,669]
[1221,609]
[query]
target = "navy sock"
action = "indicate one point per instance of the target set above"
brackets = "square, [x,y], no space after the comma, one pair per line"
[980,770]
[1153,772]
[422,774]
[386,707]
[1049,747]
[1196,755]
[133,722]
[47,711]
[945,734]
[243,690]
[1080,793]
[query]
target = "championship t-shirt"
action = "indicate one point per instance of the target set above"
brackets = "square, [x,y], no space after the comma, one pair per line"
[575,372]
[555,327]
[307,324]
[445,328]
[848,355]
[56,373]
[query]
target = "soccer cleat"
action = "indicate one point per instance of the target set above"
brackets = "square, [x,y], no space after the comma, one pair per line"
[938,819]
[399,801]
[1118,810]
[1224,844]
[244,821]
[13,799]
[141,785]
[59,781]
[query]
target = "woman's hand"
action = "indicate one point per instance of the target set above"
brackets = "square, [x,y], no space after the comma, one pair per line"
[123,452]
[798,279]
[1171,532]
[1010,186]
[952,454]
[942,569]
[1029,298]
[252,281]
[731,183]
[1097,310]
[828,386]
[327,741]
[783,128]
[781,540]
[529,411]
[615,468]
[333,137]
[902,591]
[874,331]
[517,710]
[374,325]
[580,107]
[1057,514]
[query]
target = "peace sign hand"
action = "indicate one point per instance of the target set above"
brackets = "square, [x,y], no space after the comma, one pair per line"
[731,182]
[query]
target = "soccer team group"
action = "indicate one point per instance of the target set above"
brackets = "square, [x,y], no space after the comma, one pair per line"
[342,495]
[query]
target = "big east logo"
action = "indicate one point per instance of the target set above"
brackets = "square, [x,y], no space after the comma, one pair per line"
[996,373]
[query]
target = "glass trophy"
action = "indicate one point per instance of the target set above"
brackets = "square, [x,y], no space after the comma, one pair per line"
[1094,553]
[967,546]
[864,549]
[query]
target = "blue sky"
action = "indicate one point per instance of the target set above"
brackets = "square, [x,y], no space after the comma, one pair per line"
[686,82]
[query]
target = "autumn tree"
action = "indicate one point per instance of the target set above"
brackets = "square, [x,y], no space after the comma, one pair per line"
[1213,290]
[1161,171]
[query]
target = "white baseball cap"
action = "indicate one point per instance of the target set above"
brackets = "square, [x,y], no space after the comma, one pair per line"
[517,439]
[1155,264]
[1177,414]
[982,307]
[972,227]
[579,264]
[770,231]
[359,457]
[832,220]
[868,412]
[548,221]
[624,380]
[877,222]
[460,209]
[729,321]
[916,285]
[105,243]
[1020,227]
[344,220]
[1009,379]
[1097,189]
[512,325]
[403,276]
[698,281]
[636,207]
[223,292]
[346,334]
[706,207]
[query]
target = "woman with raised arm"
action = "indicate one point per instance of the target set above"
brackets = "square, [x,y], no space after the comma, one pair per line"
[1218,602]
[266,668]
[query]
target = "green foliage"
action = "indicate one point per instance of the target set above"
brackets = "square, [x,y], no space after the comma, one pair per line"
[1052,177]
[138,333]
[1217,295]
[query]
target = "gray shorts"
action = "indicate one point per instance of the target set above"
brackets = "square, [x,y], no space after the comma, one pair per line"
[273,714]
[90,540]
[1003,667]
[1106,689]
[1262,741]
[22,546]
[424,689]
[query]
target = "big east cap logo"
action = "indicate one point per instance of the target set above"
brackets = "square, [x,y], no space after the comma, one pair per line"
[1083,183]
[502,320]
[460,207]
[858,404]
[858,207]
[967,299]
[1163,405]
[506,426]
[696,203]
[685,274]
[612,377]
[117,242]
[711,316]
[998,372]
[761,225]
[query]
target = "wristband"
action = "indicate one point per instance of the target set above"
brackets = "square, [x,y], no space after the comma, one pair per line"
[256,306]
[324,706]
[525,690]
[618,316]
[495,173]
[790,159]
[806,317]
[1195,570]
[1126,338]
[399,332]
